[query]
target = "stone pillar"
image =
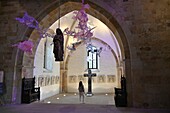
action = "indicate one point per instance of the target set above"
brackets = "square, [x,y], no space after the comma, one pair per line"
[63,81]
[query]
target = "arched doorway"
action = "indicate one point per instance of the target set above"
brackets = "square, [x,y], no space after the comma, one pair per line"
[95,11]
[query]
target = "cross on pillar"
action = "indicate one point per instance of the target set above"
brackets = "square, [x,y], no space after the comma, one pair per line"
[89,75]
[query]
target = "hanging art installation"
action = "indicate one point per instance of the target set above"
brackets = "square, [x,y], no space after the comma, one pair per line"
[30,22]
[83,35]
[25,46]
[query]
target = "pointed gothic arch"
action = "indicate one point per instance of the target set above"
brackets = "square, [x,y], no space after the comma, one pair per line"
[96,11]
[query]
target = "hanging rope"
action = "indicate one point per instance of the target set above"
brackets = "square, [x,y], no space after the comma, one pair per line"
[59,15]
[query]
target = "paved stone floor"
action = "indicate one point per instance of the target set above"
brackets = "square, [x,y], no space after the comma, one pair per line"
[73,98]
[69,103]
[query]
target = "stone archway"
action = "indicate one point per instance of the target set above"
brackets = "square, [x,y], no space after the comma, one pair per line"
[113,52]
[96,11]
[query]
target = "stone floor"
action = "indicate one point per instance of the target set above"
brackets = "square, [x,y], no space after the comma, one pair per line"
[73,98]
[69,103]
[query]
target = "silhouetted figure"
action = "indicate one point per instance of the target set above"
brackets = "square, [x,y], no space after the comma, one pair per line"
[81,91]
[123,83]
[58,41]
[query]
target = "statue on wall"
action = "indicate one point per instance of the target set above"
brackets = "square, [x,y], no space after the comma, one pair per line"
[58,41]
[123,83]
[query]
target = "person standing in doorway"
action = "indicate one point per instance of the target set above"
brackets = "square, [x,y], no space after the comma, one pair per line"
[81,92]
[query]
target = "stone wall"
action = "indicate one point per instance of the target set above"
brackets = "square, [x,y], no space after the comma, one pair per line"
[107,75]
[47,79]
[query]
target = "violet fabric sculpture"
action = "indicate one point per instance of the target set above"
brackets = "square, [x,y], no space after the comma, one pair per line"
[83,34]
[26,46]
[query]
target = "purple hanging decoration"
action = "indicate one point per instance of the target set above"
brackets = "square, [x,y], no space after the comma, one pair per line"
[99,51]
[31,22]
[44,33]
[84,32]
[25,46]
[73,46]
[28,21]
[90,47]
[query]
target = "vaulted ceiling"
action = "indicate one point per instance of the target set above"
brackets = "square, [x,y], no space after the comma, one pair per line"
[101,31]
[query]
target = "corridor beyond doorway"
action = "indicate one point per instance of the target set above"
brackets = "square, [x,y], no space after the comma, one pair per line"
[73,98]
